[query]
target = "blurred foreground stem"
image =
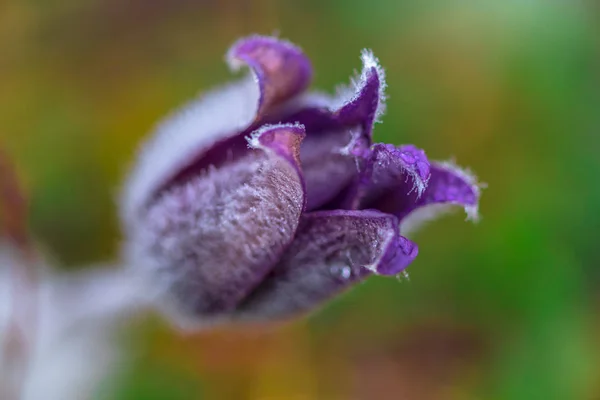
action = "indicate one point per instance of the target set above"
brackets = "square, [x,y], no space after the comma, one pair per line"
[20,336]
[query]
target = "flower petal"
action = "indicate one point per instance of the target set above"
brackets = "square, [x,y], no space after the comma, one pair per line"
[362,103]
[331,251]
[367,104]
[339,131]
[211,240]
[281,69]
[327,165]
[449,186]
[393,174]
[180,145]
[423,200]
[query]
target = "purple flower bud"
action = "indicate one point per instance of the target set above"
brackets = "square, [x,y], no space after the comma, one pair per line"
[259,201]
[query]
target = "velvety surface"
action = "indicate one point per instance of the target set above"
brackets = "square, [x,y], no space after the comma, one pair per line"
[503,309]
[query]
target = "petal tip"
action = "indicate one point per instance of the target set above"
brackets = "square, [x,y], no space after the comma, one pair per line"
[372,68]
[363,101]
[243,47]
[274,136]
[398,252]
[409,160]
[284,140]
[470,204]
[272,59]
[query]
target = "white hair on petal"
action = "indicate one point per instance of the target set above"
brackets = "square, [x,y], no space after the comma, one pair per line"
[146,267]
[200,236]
[346,93]
[419,184]
[253,138]
[422,215]
[470,178]
[385,245]
[236,64]
[216,115]
[369,62]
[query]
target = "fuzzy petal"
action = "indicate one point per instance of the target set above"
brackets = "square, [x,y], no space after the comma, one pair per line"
[328,167]
[403,171]
[280,68]
[367,104]
[332,250]
[449,186]
[211,240]
[362,103]
[279,71]
[421,192]
[339,132]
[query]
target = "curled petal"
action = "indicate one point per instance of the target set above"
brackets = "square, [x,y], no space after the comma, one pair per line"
[331,251]
[211,240]
[449,186]
[367,104]
[339,132]
[360,104]
[403,171]
[280,68]
[415,203]
[211,130]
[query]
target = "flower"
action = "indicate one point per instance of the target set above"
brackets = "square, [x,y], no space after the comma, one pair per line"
[260,200]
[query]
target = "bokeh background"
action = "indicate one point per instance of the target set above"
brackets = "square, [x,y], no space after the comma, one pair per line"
[505,309]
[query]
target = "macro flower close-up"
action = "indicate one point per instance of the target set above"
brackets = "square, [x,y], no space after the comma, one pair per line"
[262,199]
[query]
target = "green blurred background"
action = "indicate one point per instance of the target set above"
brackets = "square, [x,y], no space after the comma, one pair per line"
[505,309]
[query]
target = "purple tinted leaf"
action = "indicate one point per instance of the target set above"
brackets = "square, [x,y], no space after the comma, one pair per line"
[211,240]
[332,250]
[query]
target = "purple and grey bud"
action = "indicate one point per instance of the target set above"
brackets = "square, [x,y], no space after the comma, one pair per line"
[260,200]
